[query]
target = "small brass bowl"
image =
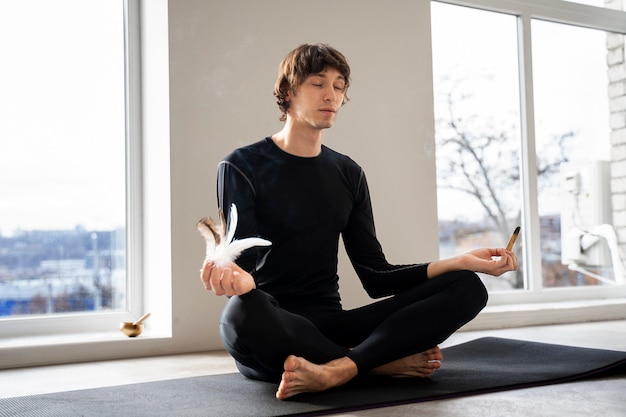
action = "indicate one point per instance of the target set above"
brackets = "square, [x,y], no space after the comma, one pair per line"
[130,329]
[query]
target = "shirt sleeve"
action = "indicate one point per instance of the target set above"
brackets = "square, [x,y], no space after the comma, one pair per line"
[235,187]
[378,277]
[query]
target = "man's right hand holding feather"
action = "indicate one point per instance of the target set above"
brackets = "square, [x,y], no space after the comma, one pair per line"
[229,280]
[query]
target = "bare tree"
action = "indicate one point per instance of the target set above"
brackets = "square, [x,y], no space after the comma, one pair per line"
[479,156]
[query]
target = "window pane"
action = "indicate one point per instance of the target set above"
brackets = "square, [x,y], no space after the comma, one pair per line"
[573,137]
[476,91]
[62,158]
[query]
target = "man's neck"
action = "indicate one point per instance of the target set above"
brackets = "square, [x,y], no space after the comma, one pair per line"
[299,142]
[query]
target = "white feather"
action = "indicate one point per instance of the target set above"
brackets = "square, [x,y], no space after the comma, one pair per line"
[234,218]
[226,254]
[228,249]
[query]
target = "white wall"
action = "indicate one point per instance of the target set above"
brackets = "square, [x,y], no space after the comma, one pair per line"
[223,59]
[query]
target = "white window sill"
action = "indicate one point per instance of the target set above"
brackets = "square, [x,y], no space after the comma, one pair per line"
[80,347]
[78,338]
[561,312]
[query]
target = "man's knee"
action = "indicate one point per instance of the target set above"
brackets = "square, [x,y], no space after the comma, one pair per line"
[474,292]
[256,319]
[240,309]
[242,319]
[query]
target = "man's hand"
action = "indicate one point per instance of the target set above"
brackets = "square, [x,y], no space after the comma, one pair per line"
[229,280]
[492,261]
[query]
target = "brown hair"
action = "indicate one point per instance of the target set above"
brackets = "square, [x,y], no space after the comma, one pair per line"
[302,62]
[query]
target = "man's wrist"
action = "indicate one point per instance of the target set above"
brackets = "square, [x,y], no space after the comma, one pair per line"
[442,266]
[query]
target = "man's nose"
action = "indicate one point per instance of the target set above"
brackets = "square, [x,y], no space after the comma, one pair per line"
[330,94]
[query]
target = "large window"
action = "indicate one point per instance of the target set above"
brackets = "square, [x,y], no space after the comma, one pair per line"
[572,128]
[63,158]
[478,131]
[522,108]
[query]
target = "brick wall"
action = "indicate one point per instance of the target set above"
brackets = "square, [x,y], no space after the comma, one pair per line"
[617,121]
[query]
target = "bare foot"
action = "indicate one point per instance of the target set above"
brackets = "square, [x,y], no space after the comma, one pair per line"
[302,376]
[419,365]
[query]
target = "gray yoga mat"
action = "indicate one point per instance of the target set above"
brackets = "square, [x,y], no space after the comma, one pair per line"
[479,366]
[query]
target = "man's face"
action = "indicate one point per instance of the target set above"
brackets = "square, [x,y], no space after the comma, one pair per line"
[317,99]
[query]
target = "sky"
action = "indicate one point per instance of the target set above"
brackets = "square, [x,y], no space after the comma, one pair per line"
[62,124]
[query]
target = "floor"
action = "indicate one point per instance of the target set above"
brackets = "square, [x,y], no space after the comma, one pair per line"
[595,397]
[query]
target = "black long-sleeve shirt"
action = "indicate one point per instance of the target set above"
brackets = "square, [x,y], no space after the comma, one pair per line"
[302,205]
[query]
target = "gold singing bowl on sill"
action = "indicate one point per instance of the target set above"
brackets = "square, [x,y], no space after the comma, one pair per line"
[133,328]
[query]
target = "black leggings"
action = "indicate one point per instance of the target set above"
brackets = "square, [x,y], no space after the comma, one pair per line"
[259,334]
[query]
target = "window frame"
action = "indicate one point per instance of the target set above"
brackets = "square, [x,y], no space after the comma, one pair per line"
[20,330]
[556,11]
